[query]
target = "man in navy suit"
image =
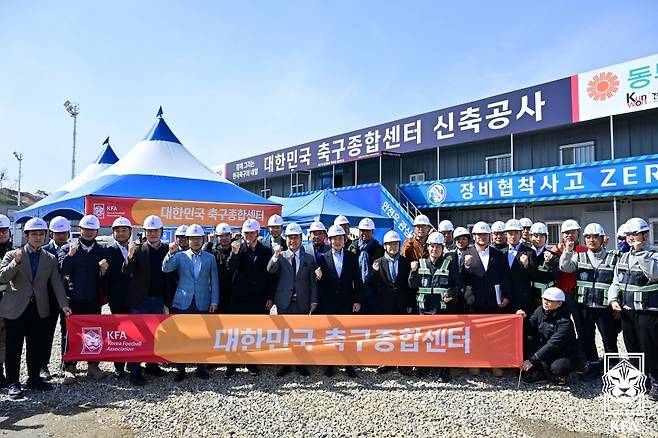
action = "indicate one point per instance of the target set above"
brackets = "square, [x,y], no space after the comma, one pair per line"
[198,283]
[340,283]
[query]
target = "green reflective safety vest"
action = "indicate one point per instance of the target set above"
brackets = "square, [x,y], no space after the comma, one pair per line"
[637,292]
[541,286]
[433,287]
[592,283]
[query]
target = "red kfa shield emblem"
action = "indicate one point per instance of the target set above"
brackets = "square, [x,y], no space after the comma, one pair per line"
[92,340]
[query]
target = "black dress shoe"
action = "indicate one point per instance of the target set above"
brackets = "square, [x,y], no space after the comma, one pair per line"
[351,373]
[384,369]
[15,391]
[120,373]
[154,370]
[44,373]
[3,381]
[302,371]
[406,371]
[329,371]
[230,371]
[38,384]
[284,370]
[179,376]
[445,375]
[137,379]
[202,373]
[253,370]
[422,372]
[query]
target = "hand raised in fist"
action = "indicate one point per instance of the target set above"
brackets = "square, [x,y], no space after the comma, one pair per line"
[235,247]
[318,273]
[468,260]
[375,266]
[548,256]
[414,266]
[18,255]
[277,250]
[173,247]
[73,249]
[103,265]
[524,260]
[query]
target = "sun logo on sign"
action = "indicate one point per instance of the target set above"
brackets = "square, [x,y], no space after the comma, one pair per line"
[603,86]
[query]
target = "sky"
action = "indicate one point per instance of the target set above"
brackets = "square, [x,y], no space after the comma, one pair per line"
[236,79]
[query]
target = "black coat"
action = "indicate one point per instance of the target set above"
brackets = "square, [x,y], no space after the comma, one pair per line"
[555,335]
[82,273]
[338,295]
[252,285]
[225,275]
[139,268]
[521,292]
[392,298]
[115,281]
[482,283]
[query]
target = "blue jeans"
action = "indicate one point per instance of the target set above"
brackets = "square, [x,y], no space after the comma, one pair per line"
[152,305]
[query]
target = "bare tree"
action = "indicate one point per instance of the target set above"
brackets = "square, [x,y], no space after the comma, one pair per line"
[4,176]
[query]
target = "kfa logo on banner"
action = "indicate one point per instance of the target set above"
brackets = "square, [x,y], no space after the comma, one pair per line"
[92,340]
[624,386]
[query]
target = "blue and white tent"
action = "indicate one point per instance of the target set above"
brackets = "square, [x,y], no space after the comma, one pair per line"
[157,168]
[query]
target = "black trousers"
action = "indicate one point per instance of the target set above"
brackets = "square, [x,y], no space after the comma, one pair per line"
[592,318]
[50,324]
[83,309]
[27,327]
[558,366]
[641,336]
[118,309]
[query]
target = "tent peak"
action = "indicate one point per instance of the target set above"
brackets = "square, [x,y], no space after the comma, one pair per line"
[161,131]
[160,112]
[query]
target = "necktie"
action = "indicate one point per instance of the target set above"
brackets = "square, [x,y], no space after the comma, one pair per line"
[394,272]
[294,264]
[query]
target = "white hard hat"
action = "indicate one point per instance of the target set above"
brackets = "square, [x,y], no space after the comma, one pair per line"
[341,220]
[195,230]
[460,231]
[539,228]
[366,224]
[152,222]
[90,222]
[275,220]
[250,225]
[4,221]
[553,294]
[498,227]
[421,219]
[636,225]
[481,228]
[526,222]
[446,225]
[317,226]
[59,224]
[119,222]
[594,229]
[293,229]
[436,238]
[622,230]
[35,224]
[180,231]
[569,225]
[336,230]
[223,228]
[391,236]
[513,225]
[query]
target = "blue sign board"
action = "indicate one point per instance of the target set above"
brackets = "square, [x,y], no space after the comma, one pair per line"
[538,107]
[620,177]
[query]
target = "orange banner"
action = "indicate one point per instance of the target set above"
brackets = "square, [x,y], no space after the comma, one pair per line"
[483,341]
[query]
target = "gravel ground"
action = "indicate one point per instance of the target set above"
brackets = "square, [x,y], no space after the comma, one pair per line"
[371,405]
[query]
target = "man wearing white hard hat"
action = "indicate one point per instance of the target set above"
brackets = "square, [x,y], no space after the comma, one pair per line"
[83,264]
[149,290]
[221,250]
[367,249]
[28,271]
[550,341]
[180,236]
[447,228]
[253,286]
[60,231]
[317,236]
[339,286]
[526,234]
[438,287]
[415,247]
[548,269]
[595,271]
[520,268]
[5,245]
[116,282]
[462,240]
[296,288]
[486,279]
[197,291]
[498,235]
[634,296]
[345,223]
[275,227]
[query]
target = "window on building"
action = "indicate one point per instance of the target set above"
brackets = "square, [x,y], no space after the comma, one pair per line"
[577,153]
[297,188]
[266,193]
[653,232]
[498,163]
[553,233]
[417,177]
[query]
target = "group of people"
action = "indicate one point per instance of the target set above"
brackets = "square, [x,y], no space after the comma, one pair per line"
[565,292]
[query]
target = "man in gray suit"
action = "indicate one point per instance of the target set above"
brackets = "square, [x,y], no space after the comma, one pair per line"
[296,289]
